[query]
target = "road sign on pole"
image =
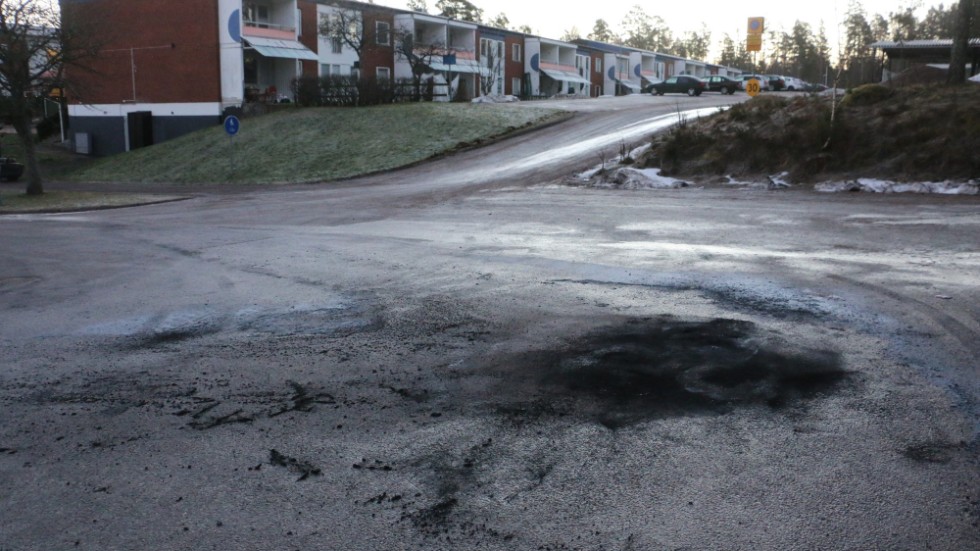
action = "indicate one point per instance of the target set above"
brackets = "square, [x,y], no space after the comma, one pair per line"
[757,25]
[753,43]
[753,87]
[232,125]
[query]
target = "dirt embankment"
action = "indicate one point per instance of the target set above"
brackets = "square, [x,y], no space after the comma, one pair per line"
[904,134]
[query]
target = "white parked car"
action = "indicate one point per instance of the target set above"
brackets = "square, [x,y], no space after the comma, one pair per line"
[763,81]
[794,84]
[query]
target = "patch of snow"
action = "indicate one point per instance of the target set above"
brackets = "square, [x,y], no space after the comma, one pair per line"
[633,178]
[747,184]
[496,99]
[871,185]
[779,181]
[975,78]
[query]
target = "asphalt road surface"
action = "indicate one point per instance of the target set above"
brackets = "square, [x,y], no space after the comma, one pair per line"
[470,354]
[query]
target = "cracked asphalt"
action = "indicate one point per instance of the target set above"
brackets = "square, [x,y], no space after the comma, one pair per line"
[470,354]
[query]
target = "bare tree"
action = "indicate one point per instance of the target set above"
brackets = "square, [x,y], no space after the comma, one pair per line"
[345,27]
[418,6]
[35,47]
[492,62]
[419,57]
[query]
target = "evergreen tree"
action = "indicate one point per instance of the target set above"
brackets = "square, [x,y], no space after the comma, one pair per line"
[460,9]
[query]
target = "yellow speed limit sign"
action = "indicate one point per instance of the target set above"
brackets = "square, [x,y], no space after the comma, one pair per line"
[753,87]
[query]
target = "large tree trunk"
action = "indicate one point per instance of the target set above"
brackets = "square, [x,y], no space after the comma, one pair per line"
[961,43]
[22,123]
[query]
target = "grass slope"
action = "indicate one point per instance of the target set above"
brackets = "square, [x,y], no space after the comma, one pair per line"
[312,145]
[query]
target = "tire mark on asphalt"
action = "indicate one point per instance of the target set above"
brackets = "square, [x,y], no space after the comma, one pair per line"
[968,338]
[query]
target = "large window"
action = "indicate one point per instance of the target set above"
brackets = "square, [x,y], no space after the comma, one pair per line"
[383,73]
[584,65]
[382,33]
[515,52]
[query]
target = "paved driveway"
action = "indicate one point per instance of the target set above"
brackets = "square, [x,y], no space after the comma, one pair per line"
[470,355]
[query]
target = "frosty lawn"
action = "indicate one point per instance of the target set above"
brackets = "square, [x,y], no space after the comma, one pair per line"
[313,145]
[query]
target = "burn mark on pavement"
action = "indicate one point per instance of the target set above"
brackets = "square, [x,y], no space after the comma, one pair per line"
[657,368]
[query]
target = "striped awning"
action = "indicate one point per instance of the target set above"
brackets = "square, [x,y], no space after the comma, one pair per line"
[565,76]
[285,49]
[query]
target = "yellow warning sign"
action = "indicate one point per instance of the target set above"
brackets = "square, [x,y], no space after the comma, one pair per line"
[753,87]
[753,43]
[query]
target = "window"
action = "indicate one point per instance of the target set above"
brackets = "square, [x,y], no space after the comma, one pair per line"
[324,70]
[515,87]
[516,52]
[383,73]
[598,64]
[382,33]
[256,13]
[336,45]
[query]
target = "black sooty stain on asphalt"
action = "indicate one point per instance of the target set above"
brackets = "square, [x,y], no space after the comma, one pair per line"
[658,368]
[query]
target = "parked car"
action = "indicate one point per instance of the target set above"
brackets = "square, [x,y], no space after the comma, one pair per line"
[10,169]
[776,83]
[692,86]
[763,81]
[725,85]
[794,84]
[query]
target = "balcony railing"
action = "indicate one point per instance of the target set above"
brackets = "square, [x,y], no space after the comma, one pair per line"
[263,29]
[439,49]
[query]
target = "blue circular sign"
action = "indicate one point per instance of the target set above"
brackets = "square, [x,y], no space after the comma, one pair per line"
[235,26]
[232,125]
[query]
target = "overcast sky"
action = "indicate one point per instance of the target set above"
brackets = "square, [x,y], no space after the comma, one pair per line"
[551,18]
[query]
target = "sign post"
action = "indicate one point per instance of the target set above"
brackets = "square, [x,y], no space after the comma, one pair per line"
[449,60]
[753,42]
[232,126]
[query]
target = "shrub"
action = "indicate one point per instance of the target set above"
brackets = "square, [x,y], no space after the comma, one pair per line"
[306,90]
[869,94]
[47,127]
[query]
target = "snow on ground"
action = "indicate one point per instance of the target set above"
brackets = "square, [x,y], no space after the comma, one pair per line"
[634,178]
[496,99]
[872,185]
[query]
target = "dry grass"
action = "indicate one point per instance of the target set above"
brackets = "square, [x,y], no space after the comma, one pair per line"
[317,144]
[68,201]
[910,133]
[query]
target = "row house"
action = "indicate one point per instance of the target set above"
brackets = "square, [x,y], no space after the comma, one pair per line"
[615,75]
[449,50]
[648,67]
[552,68]
[372,31]
[170,67]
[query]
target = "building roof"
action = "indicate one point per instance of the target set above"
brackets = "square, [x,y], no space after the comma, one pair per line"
[603,47]
[920,44]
